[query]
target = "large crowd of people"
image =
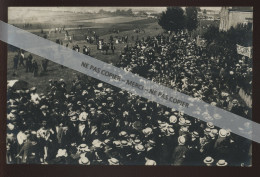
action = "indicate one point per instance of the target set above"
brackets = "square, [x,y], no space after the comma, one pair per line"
[93,123]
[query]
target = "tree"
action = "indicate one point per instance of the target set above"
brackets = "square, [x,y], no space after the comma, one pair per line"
[211,34]
[172,19]
[191,18]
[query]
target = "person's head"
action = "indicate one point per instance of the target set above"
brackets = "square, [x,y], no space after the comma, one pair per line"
[44,123]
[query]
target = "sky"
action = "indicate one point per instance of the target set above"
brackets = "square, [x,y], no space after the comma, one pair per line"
[96,9]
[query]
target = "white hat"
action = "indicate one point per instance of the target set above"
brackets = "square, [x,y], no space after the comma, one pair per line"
[123,133]
[208,160]
[100,85]
[210,125]
[84,161]
[195,134]
[181,140]
[222,163]
[222,133]
[113,161]
[187,122]
[117,143]
[62,152]
[124,143]
[10,126]
[182,121]
[147,131]
[173,119]
[184,129]
[139,147]
[97,143]
[171,131]
[83,116]
[150,162]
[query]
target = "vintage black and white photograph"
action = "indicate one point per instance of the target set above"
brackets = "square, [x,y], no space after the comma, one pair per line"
[58,115]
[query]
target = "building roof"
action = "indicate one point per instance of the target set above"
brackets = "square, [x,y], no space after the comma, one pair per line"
[241,9]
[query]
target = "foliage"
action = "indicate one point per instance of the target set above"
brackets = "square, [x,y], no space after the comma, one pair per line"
[191,18]
[172,19]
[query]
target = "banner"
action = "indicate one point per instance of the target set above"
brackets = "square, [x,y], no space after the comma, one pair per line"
[245,51]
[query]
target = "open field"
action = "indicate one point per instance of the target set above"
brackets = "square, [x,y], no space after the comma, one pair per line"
[104,30]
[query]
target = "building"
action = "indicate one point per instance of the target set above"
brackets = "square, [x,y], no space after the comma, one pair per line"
[232,16]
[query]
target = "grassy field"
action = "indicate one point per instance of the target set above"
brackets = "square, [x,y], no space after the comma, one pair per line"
[56,72]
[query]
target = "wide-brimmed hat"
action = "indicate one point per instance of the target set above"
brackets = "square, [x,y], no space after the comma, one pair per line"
[173,119]
[187,122]
[100,85]
[83,116]
[117,143]
[139,147]
[73,118]
[113,161]
[150,162]
[124,143]
[195,134]
[222,133]
[147,131]
[10,126]
[181,140]
[207,130]
[182,121]
[171,131]
[222,163]
[62,153]
[123,134]
[84,161]
[184,129]
[210,125]
[214,131]
[97,143]
[137,125]
[208,160]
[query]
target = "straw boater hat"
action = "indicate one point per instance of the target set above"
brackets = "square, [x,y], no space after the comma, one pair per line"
[181,140]
[100,85]
[10,126]
[171,131]
[124,143]
[208,160]
[83,148]
[84,161]
[187,122]
[195,134]
[207,130]
[137,141]
[222,163]
[173,119]
[62,153]
[73,118]
[139,147]
[184,129]
[182,121]
[222,133]
[97,143]
[147,131]
[113,161]
[214,131]
[123,134]
[150,162]
[210,125]
[117,143]
[83,116]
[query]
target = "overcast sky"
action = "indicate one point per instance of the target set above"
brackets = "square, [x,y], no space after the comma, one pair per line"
[96,9]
